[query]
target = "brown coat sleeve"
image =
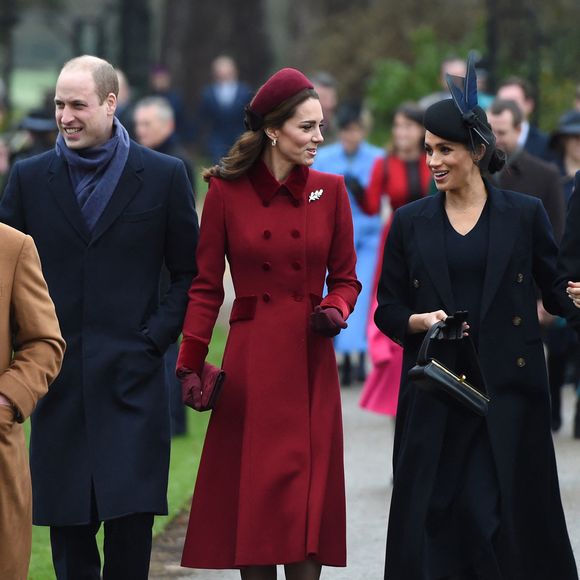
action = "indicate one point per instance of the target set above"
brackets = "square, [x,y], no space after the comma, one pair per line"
[37,344]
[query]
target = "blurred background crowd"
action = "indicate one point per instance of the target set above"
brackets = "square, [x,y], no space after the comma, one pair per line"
[187,69]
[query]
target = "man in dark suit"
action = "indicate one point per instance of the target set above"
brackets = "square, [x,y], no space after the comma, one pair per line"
[105,214]
[531,138]
[154,122]
[523,171]
[221,110]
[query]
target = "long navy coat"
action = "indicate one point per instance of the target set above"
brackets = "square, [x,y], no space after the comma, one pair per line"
[105,422]
[533,542]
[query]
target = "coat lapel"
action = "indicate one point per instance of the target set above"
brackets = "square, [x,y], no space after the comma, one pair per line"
[60,186]
[129,184]
[503,221]
[430,237]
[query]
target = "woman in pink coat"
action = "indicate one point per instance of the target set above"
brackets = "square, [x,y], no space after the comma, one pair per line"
[402,176]
[270,488]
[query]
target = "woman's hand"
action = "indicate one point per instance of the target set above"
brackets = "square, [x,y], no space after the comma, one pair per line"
[327,321]
[423,322]
[573,292]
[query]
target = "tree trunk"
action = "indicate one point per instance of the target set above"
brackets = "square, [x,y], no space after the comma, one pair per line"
[135,35]
[197,32]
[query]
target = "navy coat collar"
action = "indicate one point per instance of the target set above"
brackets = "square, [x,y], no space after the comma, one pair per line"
[430,235]
[60,186]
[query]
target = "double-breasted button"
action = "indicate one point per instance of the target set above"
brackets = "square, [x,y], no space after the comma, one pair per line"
[296,202]
[517,320]
[266,266]
[297,265]
[416,283]
[521,361]
[295,234]
[519,278]
[266,297]
[267,234]
[266,203]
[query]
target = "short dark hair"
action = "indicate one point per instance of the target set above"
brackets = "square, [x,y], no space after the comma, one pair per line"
[519,82]
[498,106]
[103,72]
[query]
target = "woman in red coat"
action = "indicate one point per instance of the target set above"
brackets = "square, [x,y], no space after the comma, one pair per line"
[402,176]
[270,487]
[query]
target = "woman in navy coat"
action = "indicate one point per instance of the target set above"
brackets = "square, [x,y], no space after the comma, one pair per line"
[473,497]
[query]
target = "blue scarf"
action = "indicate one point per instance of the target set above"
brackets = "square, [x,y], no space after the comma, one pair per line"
[95,172]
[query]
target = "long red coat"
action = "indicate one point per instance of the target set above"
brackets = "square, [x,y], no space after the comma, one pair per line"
[270,487]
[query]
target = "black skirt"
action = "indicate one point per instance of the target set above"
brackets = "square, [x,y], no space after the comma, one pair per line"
[463,517]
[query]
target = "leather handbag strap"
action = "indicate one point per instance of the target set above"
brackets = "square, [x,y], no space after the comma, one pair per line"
[467,349]
[431,334]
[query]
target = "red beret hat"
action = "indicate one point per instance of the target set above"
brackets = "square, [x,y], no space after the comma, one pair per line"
[282,85]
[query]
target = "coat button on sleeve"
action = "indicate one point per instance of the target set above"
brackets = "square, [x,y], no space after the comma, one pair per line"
[295,234]
[519,278]
[416,283]
[267,234]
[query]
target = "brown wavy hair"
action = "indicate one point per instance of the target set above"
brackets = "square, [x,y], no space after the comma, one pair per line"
[250,145]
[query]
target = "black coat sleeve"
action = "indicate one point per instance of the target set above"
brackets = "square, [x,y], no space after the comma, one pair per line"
[164,325]
[10,204]
[554,202]
[393,310]
[552,286]
[569,257]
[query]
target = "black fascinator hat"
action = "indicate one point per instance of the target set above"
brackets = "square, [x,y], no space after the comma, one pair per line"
[460,119]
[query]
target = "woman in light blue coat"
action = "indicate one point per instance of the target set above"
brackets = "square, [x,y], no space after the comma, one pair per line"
[353,157]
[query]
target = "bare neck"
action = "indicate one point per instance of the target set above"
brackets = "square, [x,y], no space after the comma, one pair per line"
[571,165]
[472,195]
[279,168]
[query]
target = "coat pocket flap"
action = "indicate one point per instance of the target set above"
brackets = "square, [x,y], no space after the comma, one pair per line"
[244,308]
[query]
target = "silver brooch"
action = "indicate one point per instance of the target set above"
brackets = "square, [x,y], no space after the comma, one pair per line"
[315,195]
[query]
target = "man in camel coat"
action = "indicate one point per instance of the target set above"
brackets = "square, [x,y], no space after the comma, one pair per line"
[31,351]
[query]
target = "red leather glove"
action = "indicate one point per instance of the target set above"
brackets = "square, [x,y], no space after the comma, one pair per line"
[200,392]
[190,387]
[327,321]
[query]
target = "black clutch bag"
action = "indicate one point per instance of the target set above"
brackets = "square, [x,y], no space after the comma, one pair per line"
[448,365]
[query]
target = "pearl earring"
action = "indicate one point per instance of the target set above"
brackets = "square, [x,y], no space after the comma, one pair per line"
[274,141]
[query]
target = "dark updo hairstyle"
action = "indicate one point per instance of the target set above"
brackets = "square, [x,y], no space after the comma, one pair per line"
[472,129]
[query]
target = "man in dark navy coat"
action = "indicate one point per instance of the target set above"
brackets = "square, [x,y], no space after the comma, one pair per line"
[106,214]
[532,139]
[221,109]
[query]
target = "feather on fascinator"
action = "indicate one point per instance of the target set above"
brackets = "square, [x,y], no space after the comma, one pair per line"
[464,95]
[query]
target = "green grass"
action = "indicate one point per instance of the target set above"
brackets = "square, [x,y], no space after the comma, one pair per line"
[185,453]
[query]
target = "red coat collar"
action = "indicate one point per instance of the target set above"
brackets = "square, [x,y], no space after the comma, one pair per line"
[267,186]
